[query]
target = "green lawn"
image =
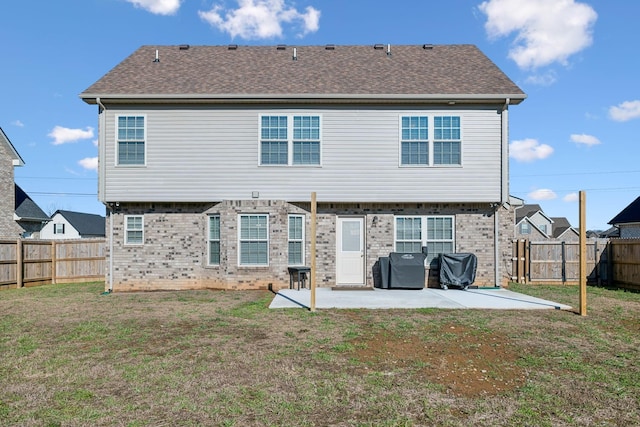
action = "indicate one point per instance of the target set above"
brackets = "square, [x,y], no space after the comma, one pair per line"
[71,356]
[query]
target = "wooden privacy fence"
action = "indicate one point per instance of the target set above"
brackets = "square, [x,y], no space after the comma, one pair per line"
[40,262]
[609,262]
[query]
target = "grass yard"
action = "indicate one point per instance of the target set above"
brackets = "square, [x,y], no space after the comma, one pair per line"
[71,356]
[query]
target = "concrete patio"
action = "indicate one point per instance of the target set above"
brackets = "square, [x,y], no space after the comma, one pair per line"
[498,298]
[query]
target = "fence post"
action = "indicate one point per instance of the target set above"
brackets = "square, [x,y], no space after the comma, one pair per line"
[527,264]
[19,264]
[54,248]
[563,266]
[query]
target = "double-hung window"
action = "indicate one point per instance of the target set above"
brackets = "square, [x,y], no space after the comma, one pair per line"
[213,241]
[414,145]
[437,233]
[134,230]
[446,140]
[525,228]
[290,140]
[430,141]
[254,240]
[58,228]
[131,135]
[296,239]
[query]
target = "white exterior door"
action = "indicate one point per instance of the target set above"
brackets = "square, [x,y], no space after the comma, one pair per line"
[350,251]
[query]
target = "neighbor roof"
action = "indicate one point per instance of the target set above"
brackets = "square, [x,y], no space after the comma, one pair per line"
[527,211]
[85,224]
[560,226]
[453,73]
[26,208]
[629,214]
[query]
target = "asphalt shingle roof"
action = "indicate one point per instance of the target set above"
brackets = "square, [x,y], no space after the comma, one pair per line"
[342,72]
[629,214]
[86,224]
[26,208]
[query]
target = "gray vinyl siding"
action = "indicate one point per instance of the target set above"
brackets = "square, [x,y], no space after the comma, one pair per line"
[211,154]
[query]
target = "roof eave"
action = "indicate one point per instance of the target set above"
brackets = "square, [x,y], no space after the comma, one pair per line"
[451,99]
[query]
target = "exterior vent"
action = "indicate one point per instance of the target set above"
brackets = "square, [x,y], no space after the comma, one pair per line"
[330,47]
[378,46]
[427,46]
[233,47]
[281,47]
[184,47]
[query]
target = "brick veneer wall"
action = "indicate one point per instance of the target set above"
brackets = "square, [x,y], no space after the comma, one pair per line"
[174,253]
[9,229]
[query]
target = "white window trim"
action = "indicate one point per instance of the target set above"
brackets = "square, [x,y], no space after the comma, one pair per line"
[424,231]
[289,117]
[126,230]
[55,228]
[430,141]
[301,240]
[268,240]
[117,146]
[209,240]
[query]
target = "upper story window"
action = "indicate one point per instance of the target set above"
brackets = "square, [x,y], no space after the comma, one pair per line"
[430,141]
[525,228]
[58,228]
[446,140]
[290,140]
[131,134]
[133,230]
[414,145]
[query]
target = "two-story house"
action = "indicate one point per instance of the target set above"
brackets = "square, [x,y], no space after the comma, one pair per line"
[209,156]
[9,158]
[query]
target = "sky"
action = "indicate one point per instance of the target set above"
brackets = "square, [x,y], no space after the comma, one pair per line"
[577,61]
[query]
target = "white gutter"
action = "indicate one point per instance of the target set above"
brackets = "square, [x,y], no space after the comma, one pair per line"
[101,144]
[504,192]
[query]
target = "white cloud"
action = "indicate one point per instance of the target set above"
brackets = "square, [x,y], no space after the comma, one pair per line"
[90,163]
[547,31]
[545,79]
[18,123]
[584,139]
[626,111]
[158,7]
[260,19]
[95,142]
[571,197]
[62,135]
[528,150]
[542,194]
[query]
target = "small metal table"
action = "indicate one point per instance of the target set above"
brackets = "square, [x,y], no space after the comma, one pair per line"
[299,276]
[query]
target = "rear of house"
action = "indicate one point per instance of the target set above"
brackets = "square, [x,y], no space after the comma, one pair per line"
[209,156]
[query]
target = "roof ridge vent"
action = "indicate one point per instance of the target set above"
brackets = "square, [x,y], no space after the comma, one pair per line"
[281,47]
[427,46]
[330,47]
[184,47]
[378,46]
[232,47]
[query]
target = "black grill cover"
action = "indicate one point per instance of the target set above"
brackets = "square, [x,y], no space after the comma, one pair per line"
[457,270]
[381,273]
[406,270]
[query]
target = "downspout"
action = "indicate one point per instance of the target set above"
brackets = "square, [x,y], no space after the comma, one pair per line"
[101,144]
[504,187]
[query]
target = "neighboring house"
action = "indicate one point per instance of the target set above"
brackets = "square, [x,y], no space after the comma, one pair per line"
[73,225]
[20,216]
[628,220]
[9,158]
[28,215]
[532,223]
[563,231]
[209,156]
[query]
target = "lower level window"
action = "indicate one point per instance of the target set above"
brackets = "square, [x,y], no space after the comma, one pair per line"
[134,230]
[435,232]
[214,240]
[254,240]
[296,239]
